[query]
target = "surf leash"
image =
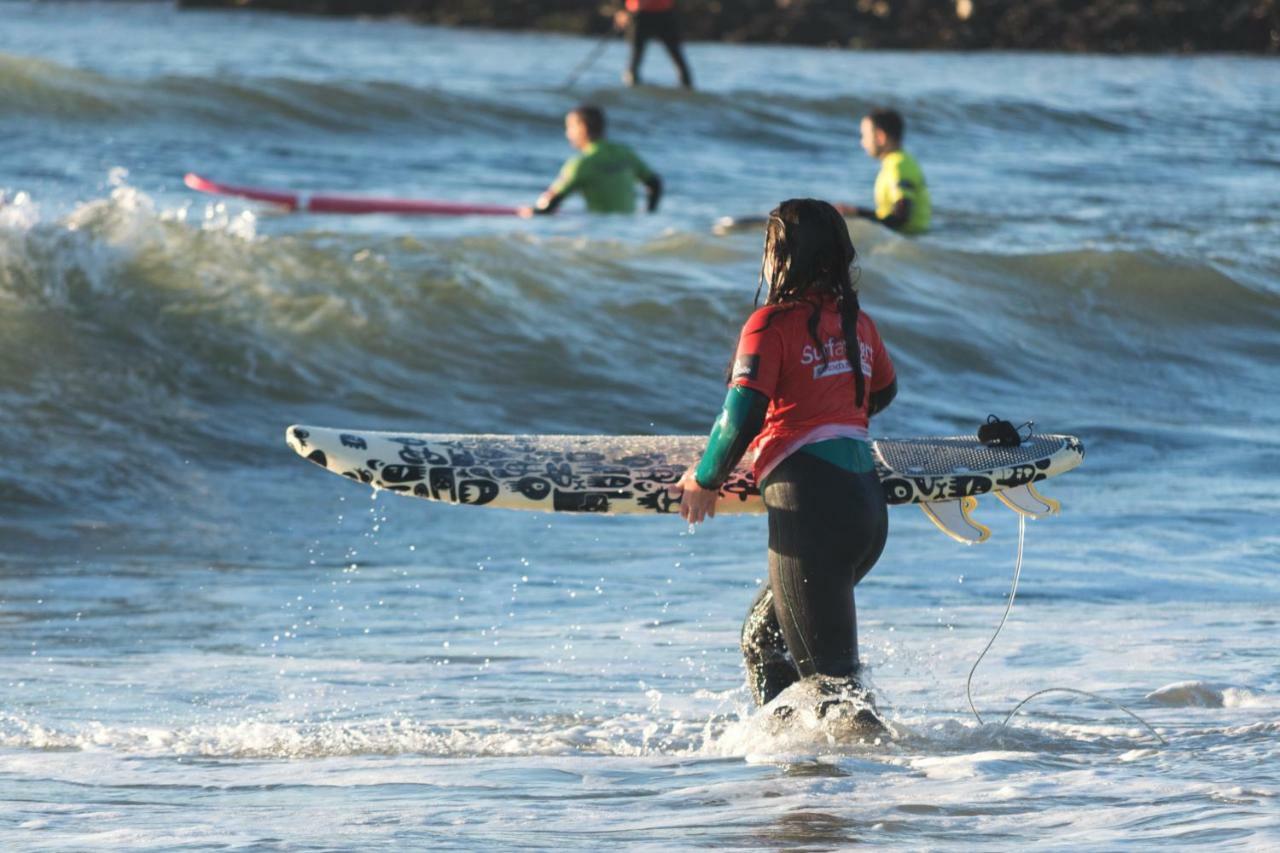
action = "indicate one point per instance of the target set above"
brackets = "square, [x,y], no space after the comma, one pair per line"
[1013,591]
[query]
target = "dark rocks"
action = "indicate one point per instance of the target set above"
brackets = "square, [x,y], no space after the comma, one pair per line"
[1111,26]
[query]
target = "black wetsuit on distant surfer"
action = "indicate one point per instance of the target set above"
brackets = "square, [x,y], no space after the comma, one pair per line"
[652,19]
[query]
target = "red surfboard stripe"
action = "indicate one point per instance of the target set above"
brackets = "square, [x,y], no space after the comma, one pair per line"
[346,203]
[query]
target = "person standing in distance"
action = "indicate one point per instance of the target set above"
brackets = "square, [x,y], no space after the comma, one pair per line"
[650,19]
[605,172]
[901,194]
[809,373]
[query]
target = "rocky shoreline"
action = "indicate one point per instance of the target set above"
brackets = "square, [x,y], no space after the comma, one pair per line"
[1105,26]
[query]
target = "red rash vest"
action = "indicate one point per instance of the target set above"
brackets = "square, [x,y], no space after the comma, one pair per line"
[809,400]
[650,5]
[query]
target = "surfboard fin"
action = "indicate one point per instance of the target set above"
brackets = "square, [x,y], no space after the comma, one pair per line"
[1025,500]
[952,518]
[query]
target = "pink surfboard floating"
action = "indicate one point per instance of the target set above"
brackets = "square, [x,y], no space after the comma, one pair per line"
[306,203]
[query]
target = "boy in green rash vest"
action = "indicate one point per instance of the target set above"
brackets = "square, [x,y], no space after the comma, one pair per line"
[605,172]
[901,194]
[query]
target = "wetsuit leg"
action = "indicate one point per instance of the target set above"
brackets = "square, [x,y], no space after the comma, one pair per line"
[770,669]
[670,35]
[639,34]
[827,527]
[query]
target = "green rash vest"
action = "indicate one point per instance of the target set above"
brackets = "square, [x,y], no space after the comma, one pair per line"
[901,177]
[606,174]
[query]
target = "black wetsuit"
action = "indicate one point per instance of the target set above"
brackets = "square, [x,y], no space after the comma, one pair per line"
[828,515]
[665,27]
[827,527]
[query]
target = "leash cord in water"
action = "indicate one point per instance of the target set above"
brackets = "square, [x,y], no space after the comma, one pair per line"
[1017,573]
[1013,591]
[1115,705]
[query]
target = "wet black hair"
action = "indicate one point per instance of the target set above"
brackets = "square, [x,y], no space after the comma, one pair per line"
[592,117]
[807,253]
[890,121]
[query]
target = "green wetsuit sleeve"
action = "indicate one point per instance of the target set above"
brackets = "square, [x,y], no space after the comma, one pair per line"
[640,167]
[564,184]
[739,423]
[567,181]
[648,177]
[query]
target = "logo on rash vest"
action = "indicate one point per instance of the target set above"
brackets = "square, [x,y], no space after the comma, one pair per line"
[868,355]
[746,367]
[830,361]
[831,368]
[836,362]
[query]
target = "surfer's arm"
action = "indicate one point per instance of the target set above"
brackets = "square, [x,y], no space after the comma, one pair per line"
[548,202]
[897,218]
[739,423]
[653,186]
[564,186]
[648,177]
[881,399]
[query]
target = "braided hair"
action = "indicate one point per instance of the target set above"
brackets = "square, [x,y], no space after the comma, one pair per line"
[808,253]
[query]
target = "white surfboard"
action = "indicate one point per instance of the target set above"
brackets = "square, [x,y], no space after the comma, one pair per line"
[632,474]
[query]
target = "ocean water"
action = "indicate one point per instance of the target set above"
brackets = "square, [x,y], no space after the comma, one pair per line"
[207,643]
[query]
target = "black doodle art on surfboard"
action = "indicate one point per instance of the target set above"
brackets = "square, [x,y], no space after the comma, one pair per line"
[560,474]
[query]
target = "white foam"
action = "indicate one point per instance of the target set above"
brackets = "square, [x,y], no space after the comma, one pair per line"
[17,211]
[1187,693]
[1200,694]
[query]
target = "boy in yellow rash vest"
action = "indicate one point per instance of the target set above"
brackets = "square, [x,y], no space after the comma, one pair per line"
[902,197]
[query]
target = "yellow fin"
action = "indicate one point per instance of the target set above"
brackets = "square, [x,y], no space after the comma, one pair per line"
[1027,501]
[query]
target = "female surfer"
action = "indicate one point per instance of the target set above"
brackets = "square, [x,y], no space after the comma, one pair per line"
[809,372]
